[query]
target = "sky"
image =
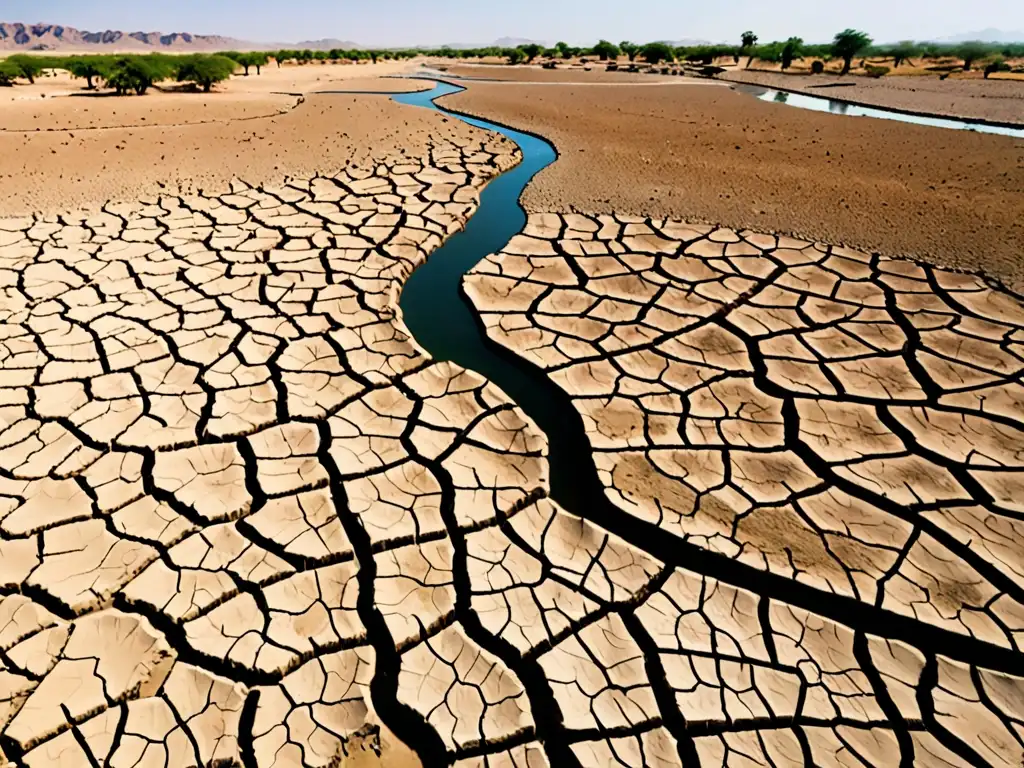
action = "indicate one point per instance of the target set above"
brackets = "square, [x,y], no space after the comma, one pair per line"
[414,22]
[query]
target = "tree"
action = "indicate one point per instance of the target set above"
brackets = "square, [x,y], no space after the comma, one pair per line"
[28,66]
[848,44]
[514,55]
[138,73]
[791,50]
[282,56]
[563,49]
[605,50]
[630,49]
[902,51]
[971,52]
[655,53]
[749,40]
[204,70]
[8,73]
[259,60]
[88,68]
[531,51]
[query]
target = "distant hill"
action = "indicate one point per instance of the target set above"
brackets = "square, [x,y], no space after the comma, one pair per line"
[325,44]
[990,35]
[54,37]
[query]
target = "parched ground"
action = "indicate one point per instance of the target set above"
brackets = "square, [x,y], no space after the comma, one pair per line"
[63,148]
[834,429]
[705,153]
[246,520]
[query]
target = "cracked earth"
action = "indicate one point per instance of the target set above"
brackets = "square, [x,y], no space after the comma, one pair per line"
[245,520]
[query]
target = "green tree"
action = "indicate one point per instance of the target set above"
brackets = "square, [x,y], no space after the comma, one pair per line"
[514,55]
[8,73]
[28,67]
[304,57]
[630,49]
[88,68]
[204,70]
[848,44]
[971,51]
[137,73]
[605,50]
[563,49]
[531,51]
[791,50]
[283,56]
[902,51]
[749,40]
[655,53]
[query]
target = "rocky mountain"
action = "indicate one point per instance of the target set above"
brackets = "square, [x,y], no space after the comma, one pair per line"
[55,37]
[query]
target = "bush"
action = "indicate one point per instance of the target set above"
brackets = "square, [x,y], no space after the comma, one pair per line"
[874,71]
[204,70]
[998,65]
[817,67]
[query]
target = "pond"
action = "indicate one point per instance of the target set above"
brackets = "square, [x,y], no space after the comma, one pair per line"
[837,107]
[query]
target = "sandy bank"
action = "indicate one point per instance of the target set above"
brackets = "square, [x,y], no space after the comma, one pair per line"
[1000,101]
[195,141]
[714,155]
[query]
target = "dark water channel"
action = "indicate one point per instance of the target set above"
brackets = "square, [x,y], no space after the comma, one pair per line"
[444,322]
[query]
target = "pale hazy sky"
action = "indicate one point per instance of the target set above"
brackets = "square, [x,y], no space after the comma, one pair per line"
[416,22]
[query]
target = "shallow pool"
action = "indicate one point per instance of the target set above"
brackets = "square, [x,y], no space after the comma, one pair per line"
[821,104]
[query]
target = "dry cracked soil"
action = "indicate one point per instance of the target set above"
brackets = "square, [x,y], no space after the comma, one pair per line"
[245,520]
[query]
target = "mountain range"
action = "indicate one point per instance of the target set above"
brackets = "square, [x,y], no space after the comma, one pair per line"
[55,37]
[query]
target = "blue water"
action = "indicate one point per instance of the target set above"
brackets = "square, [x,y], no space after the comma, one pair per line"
[821,104]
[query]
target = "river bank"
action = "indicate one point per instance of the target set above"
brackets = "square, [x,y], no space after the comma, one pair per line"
[717,156]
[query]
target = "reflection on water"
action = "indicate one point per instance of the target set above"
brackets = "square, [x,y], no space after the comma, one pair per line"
[820,104]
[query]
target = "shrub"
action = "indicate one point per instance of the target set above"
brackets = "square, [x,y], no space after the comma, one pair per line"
[874,71]
[817,67]
[997,65]
[205,70]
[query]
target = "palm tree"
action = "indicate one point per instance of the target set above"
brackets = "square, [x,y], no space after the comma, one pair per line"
[749,40]
[848,44]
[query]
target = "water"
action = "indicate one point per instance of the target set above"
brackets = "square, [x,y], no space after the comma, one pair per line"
[821,104]
[445,323]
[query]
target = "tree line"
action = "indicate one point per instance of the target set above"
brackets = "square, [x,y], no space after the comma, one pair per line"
[136,73]
[845,47]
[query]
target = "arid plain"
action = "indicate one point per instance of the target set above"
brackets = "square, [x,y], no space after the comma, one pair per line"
[246,519]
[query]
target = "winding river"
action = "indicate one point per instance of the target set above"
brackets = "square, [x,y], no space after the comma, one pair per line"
[445,323]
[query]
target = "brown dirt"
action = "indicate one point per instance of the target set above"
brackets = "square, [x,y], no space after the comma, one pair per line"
[175,142]
[711,154]
[999,101]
